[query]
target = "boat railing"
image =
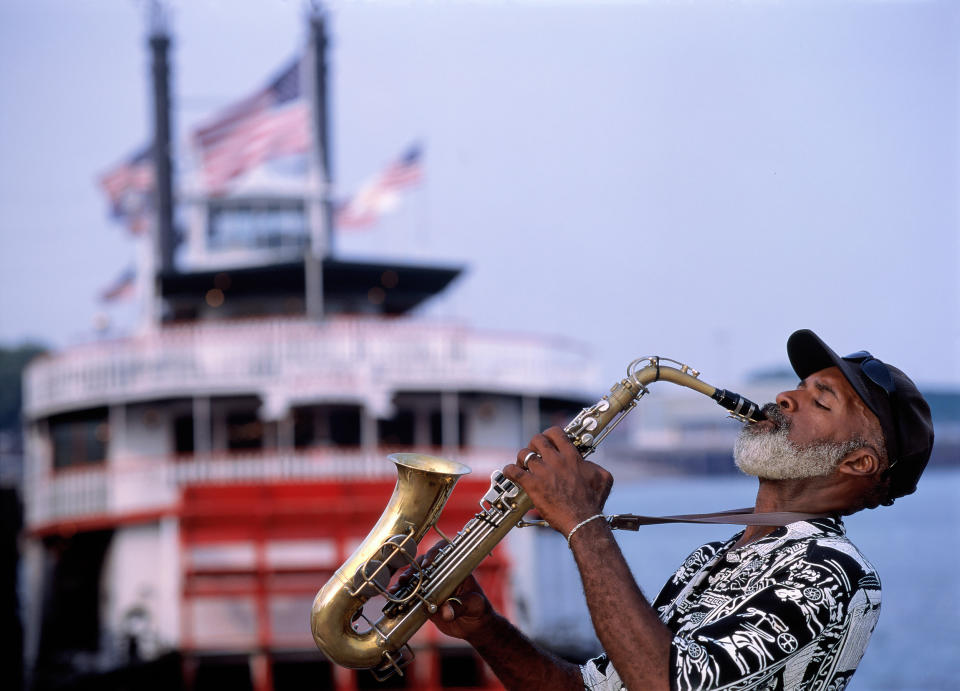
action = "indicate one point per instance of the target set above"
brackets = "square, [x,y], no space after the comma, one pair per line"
[301,358]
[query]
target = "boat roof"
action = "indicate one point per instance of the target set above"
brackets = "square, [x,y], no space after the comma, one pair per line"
[349,287]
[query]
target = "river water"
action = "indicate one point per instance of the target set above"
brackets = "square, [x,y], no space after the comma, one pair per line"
[914,545]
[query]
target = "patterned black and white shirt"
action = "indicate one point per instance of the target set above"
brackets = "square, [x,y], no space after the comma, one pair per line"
[793,610]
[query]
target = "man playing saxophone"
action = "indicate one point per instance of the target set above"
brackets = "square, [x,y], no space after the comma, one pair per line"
[774,607]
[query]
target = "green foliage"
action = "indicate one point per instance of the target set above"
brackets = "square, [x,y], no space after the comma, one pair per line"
[12,363]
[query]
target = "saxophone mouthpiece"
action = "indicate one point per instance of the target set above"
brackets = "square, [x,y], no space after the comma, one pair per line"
[741,408]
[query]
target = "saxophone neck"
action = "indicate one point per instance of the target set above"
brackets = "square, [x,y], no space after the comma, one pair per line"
[595,422]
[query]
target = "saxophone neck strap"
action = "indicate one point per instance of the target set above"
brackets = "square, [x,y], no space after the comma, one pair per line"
[746,516]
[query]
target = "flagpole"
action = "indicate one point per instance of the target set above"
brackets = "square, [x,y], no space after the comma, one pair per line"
[320,210]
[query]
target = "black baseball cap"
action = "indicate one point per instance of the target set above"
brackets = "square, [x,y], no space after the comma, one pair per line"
[890,394]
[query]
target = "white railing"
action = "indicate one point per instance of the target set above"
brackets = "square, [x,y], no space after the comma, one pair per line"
[68,495]
[138,486]
[297,358]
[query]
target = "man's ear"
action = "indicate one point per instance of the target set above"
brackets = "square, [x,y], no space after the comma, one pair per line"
[862,462]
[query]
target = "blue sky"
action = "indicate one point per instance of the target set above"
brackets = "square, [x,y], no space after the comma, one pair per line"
[695,180]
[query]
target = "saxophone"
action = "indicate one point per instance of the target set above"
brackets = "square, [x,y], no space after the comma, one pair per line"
[341,628]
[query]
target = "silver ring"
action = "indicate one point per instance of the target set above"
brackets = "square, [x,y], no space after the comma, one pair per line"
[526,459]
[455,599]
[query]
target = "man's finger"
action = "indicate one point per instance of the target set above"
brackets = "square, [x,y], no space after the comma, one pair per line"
[516,474]
[526,456]
[541,443]
[469,604]
[447,612]
[557,437]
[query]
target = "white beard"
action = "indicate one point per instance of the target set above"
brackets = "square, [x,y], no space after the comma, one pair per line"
[770,455]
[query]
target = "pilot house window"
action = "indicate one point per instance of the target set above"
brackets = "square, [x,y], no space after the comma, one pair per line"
[271,224]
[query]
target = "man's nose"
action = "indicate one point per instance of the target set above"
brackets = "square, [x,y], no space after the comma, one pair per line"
[787,400]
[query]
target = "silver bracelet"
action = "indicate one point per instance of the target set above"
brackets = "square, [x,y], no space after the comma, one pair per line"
[581,524]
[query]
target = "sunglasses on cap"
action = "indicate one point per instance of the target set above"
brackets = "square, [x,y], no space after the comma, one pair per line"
[874,369]
[878,373]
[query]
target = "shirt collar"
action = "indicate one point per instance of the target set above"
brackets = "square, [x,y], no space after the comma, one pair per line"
[831,526]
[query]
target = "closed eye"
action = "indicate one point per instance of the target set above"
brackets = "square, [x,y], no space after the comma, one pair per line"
[820,405]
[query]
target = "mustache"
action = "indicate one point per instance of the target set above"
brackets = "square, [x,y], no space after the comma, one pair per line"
[775,414]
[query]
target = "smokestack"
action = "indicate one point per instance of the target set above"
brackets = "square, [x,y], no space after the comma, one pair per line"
[159,47]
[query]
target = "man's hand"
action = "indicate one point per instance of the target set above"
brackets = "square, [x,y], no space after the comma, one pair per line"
[467,612]
[517,662]
[565,489]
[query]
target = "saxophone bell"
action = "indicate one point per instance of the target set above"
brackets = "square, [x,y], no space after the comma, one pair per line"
[424,484]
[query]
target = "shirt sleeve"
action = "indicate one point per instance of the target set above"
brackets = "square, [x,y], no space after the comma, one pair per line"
[773,623]
[599,675]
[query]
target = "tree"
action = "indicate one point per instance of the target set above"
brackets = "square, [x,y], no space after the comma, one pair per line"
[12,363]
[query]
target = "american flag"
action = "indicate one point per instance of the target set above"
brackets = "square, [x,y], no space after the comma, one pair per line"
[381,194]
[270,123]
[129,187]
[122,288]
